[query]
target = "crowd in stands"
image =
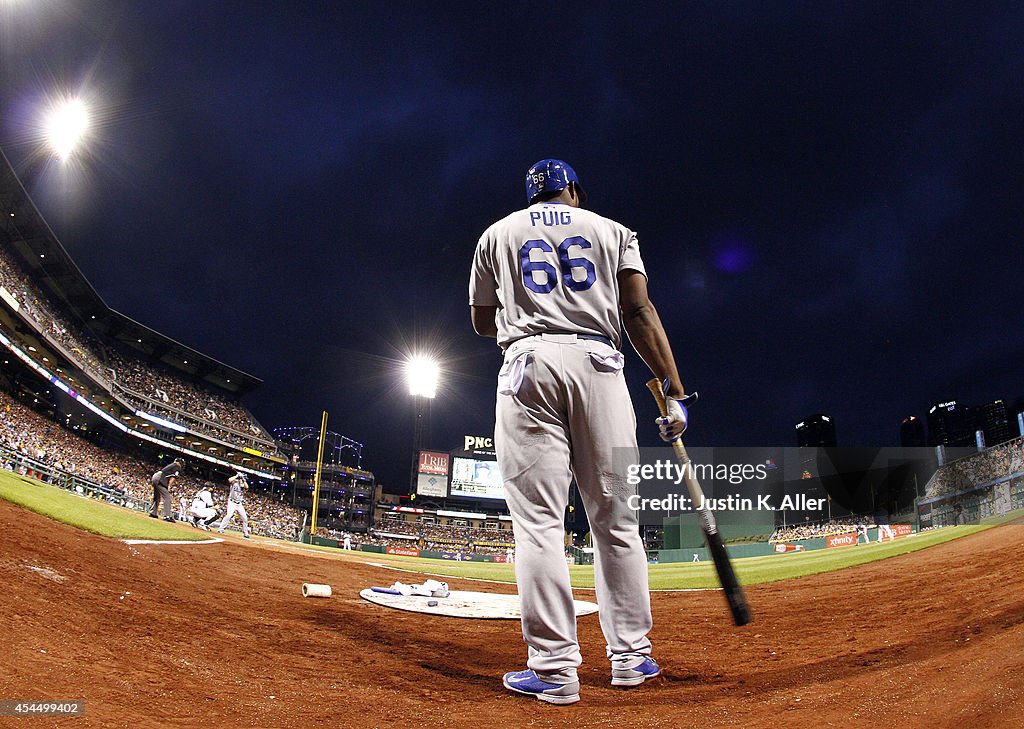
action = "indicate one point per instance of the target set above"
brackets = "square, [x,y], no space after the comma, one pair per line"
[81,347]
[443,537]
[819,531]
[977,469]
[398,526]
[172,397]
[361,538]
[204,410]
[26,434]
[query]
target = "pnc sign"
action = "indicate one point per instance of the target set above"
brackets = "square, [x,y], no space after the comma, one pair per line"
[477,442]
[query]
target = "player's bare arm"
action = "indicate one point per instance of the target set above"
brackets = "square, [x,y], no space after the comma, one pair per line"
[483,320]
[646,333]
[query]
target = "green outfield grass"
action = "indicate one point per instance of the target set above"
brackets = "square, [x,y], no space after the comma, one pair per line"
[93,516]
[113,521]
[687,575]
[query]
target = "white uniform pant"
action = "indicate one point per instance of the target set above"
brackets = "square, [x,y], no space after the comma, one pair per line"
[203,514]
[562,408]
[232,508]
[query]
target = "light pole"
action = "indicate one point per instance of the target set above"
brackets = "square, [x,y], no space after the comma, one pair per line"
[63,130]
[65,126]
[422,375]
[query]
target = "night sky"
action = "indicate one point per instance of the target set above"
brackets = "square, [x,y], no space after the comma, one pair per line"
[828,197]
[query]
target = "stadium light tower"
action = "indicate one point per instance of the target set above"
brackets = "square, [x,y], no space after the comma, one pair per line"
[423,375]
[66,125]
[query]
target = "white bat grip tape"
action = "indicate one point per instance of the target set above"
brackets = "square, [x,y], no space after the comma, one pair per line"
[311,589]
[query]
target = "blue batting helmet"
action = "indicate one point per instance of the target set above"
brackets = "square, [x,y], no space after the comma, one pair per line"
[550,175]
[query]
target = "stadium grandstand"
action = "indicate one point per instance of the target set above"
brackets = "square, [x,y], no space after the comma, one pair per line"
[138,380]
[95,401]
[346,490]
[409,529]
[65,455]
[978,486]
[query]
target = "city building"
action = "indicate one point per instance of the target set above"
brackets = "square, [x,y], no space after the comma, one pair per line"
[912,433]
[816,430]
[948,425]
[993,419]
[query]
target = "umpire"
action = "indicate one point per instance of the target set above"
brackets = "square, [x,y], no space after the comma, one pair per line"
[162,481]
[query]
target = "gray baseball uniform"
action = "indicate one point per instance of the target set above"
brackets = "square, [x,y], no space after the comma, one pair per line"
[562,407]
[235,498]
[161,481]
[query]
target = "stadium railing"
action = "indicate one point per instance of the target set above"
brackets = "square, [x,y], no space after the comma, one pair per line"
[25,465]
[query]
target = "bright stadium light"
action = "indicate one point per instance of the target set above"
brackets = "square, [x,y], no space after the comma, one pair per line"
[65,127]
[422,374]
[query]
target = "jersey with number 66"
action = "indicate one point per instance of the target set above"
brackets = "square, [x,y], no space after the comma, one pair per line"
[553,268]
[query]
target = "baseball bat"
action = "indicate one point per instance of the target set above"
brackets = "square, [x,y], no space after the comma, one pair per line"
[726,575]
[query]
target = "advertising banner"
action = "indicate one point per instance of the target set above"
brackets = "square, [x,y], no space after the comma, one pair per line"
[427,484]
[902,530]
[783,548]
[841,540]
[403,551]
[433,463]
[457,556]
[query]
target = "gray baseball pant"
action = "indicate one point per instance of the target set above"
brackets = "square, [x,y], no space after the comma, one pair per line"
[562,408]
[160,491]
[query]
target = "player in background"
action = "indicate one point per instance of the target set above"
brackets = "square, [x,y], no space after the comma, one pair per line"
[162,481]
[202,510]
[884,530]
[236,495]
[555,283]
[862,531]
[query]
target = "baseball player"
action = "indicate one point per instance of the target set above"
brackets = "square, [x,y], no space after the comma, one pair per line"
[162,482]
[555,283]
[202,509]
[862,531]
[884,530]
[239,484]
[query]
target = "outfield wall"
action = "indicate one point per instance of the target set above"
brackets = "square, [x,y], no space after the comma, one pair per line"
[410,551]
[664,556]
[739,551]
[683,531]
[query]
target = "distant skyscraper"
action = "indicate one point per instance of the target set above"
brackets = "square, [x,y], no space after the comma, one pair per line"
[1014,413]
[816,430]
[994,420]
[912,432]
[948,425]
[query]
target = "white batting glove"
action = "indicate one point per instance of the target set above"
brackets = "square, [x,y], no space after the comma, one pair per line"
[673,425]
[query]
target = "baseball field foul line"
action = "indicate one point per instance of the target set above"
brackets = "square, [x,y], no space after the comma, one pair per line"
[212,540]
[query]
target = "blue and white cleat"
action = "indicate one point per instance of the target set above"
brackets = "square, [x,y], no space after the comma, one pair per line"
[527,682]
[635,676]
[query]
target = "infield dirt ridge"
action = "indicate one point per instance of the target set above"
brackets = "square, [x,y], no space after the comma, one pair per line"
[219,635]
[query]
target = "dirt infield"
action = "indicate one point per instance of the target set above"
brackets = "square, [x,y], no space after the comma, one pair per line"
[218,635]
